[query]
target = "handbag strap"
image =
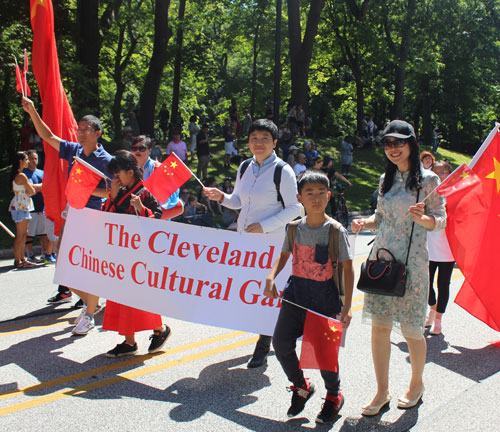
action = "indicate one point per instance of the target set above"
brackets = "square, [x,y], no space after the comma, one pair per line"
[411,234]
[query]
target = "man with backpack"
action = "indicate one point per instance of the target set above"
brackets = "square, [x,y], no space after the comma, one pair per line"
[266,193]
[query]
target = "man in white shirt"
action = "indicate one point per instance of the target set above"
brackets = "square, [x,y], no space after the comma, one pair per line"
[300,166]
[255,194]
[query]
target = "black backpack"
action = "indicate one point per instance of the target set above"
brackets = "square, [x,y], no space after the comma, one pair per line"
[276,178]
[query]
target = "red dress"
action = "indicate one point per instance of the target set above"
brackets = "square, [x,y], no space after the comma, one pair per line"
[127,320]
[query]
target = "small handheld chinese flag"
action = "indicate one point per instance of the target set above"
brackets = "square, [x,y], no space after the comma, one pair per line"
[81,183]
[459,180]
[21,78]
[167,178]
[320,343]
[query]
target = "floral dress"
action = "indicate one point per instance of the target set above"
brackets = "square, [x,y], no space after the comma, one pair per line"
[406,313]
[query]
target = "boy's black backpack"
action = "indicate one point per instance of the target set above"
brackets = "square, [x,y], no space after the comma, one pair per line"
[276,178]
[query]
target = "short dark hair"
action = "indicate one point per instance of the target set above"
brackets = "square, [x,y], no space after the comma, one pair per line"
[31,151]
[124,160]
[264,125]
[94,121]
[312,176]
[143,138]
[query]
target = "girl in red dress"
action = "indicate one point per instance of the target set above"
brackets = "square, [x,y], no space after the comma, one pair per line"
[129,196]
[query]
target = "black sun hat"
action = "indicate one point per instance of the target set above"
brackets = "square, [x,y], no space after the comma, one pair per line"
[399,129]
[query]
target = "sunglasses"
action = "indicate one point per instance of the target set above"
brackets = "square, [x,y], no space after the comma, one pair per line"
[142,149]
[396,143]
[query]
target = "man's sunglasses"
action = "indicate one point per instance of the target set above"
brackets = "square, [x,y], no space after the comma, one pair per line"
[142,149]
[396,143]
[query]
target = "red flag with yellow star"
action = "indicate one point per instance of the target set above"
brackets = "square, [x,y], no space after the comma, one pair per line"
[459,180]
[473,231]
[167,178]
[81,183]
[320,343]
[57,113]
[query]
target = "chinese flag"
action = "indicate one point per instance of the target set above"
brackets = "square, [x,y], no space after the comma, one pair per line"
[56,110]
[81,183]
[167,178]
[459,180]
[25,72]
[21,81]
[473,231]
[320,343]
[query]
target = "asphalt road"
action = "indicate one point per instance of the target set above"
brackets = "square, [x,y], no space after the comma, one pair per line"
[50,380]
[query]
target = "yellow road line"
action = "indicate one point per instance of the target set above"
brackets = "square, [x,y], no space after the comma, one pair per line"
[118,365]
[42,400]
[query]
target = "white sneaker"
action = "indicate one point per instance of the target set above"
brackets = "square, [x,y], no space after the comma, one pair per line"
[84,326]
[76,320]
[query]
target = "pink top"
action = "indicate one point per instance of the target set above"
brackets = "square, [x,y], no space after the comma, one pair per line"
[180,149]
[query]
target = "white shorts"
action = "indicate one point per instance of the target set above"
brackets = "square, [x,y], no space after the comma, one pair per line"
[36,225]
[193,144]
[229,148]
[49,226]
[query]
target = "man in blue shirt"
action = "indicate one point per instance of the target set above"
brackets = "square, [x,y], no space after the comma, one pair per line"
[88,149]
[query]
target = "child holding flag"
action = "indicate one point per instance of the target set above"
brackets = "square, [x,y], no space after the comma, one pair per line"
[312,287]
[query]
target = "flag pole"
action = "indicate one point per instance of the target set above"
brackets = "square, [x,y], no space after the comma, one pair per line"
[7,230]
[18,72]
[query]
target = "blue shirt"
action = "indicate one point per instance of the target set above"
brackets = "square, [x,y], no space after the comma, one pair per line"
[99,159]
[36,177]
[173,199]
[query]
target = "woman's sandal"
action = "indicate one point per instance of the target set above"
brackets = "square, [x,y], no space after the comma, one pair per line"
[24,265]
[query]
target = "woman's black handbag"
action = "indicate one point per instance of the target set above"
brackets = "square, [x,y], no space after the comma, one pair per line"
[383,277]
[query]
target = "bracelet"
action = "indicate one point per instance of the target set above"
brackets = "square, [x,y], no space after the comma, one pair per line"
[221,199]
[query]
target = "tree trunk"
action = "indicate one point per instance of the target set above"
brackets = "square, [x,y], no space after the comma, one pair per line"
[400,70]
[277,65]
[301,49]
[426,112]
[178,61]
[157,62]
[86,96]
[253,92]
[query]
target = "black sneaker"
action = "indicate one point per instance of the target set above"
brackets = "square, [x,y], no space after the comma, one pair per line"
[123,349]
[78,304]
[158,339]
[299,398]
[60,298]
[330,409]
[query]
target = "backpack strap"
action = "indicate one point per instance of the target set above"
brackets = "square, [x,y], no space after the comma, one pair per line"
[291,232]
[333,252]
[244,167]
[277,180]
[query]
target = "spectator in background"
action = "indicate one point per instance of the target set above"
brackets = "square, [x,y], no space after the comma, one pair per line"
[20,207]
[185,194]
[301,118]
[164,117]
[334,177]
[292,155]
[193,132]
[194,207]
[177,146]
[133,123]
[371,128]
[309,153]
[156,153]
[213,206]
[127,138]
[300,166]
[270,111]
[427,159]
[346,149]
[37,225]
[247,121]
[229,150]
[203,152]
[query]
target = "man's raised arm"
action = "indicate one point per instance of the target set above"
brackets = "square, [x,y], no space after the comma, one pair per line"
[41,128]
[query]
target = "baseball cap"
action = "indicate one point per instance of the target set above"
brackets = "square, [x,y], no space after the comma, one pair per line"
[399,129]
[292,148]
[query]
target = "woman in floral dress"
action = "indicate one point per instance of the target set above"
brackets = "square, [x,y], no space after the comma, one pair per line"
[403,187]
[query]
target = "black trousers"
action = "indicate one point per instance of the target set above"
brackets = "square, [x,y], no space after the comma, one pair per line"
[289,327]
[443,281]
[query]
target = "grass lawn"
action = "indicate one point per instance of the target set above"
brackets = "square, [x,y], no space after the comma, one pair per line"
[365,172]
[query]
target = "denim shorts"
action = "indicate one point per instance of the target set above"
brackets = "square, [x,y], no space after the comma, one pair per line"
[20,215]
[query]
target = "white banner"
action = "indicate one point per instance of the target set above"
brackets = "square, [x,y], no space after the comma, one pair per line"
[196,274]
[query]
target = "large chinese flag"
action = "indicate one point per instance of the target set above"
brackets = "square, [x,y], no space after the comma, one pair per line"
[56,110]
[167,178]
[320,343]
[473,231]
